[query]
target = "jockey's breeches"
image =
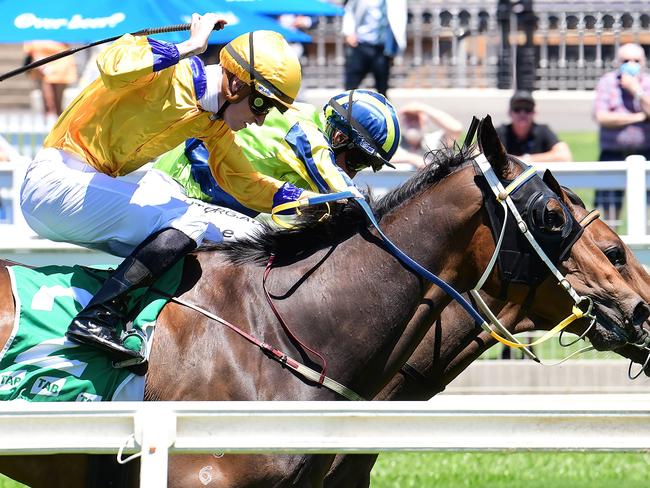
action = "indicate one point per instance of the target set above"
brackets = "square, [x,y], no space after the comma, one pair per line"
[64,199]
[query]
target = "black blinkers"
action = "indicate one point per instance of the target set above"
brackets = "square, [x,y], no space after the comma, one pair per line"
[549,221]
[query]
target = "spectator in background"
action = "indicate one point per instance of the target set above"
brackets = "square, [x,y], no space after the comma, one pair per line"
[529,141]
[301,23]
[621,108]
[375,32]
[52,77]
[297,22]
[7,152]
[418,135]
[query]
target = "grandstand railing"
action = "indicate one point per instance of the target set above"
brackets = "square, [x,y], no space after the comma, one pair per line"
[446,423]
[457,43]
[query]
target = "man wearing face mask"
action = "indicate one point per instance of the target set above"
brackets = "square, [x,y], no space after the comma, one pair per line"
[622,106]
[150,96]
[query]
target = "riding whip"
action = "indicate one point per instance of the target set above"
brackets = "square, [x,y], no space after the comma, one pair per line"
[144,32]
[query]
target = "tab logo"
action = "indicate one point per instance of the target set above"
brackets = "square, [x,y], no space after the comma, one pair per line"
[88,397]
[48,386]
[10,380]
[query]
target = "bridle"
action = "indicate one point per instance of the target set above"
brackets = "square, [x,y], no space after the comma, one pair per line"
[514,202]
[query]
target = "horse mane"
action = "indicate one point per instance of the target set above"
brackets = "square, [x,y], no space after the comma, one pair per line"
[312,232]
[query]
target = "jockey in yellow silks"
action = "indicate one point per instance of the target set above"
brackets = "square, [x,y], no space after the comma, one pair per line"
[150,97]
[312,149]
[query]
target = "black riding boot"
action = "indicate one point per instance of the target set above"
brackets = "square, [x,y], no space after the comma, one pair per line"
[99,323]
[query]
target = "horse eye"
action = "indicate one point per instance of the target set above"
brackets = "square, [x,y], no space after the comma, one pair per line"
[553,218]
[616,256]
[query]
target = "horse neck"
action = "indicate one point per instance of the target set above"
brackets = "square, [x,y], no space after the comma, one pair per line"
[444,219]
[352,302]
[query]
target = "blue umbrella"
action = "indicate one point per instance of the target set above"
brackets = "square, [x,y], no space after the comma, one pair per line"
[240,20]
[81,22]
[279,7]
[73,21]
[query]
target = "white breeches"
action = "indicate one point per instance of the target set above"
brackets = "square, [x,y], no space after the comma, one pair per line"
[65,199]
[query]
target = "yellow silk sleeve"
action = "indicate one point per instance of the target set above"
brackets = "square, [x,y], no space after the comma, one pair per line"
[128,61]
[235,174]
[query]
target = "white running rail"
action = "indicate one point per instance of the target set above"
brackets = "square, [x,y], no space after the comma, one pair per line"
[632,176]
[446,423]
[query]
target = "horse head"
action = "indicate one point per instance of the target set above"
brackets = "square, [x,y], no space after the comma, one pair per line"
[625,262]
[571,269]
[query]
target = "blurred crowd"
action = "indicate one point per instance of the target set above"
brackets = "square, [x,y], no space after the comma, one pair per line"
[374,33]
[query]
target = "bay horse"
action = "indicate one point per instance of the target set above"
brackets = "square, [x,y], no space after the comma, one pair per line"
[343,295]
[454,342]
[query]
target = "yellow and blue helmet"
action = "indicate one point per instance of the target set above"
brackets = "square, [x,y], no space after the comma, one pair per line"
[267,64]
[370,123]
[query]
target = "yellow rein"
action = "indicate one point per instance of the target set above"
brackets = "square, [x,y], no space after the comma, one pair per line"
[576,314]
[302,202]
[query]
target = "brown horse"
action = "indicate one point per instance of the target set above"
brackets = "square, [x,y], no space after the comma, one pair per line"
[345,296]
[454,342]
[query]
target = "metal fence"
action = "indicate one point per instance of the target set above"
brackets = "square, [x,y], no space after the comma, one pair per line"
[478,44]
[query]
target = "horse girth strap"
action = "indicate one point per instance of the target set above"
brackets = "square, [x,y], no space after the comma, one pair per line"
[302,369]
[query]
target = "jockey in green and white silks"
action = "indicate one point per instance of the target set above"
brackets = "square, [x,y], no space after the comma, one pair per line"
[314,150]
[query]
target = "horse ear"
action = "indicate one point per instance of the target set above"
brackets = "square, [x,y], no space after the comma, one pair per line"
[552,183]
[490,145]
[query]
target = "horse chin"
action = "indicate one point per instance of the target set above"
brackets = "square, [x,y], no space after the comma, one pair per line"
[607,338]
[608,334]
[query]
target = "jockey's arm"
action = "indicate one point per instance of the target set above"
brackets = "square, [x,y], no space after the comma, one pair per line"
[135,61]
[307,149]
[235,174]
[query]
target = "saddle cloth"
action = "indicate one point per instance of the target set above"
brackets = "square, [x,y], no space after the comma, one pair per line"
[38,363]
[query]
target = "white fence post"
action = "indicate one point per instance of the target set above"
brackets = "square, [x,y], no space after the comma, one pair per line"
[635,192]
[155,432]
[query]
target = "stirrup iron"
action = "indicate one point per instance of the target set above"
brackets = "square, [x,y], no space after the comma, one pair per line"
[144,353]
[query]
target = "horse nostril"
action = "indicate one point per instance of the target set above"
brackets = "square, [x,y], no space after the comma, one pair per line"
[641,313]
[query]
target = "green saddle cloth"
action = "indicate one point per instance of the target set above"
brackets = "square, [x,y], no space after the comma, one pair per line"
[38,363]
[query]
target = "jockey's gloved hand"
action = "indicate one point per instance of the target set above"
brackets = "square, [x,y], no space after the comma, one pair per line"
[355,191]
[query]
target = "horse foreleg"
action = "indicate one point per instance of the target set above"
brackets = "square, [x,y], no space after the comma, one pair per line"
[47,471]
[350,470]
[248,471]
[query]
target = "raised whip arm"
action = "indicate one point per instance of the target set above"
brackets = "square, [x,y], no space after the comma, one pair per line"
[144,32]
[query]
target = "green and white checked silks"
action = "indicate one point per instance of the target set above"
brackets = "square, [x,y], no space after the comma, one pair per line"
[39,364]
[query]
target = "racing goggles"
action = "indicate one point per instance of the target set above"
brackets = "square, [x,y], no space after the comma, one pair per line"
[259,104]
[364,151]
[357,160]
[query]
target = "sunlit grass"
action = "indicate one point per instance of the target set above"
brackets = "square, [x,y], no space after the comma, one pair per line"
[7,483]
[511,470]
